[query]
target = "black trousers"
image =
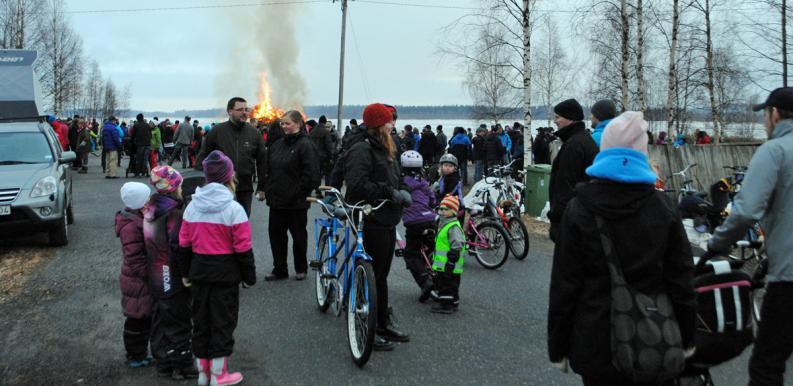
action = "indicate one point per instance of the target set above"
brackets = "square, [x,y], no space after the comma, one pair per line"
[215,311]
[245,199]
[136,337]
[142,159]
[415,240]
[293,221]
[380,243]
[171,330]
[774,342]
[448,285]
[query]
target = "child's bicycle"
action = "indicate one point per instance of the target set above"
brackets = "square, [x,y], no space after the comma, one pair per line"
[350,284]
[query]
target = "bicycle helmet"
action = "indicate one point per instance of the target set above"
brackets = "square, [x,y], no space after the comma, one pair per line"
[448,159]
[411,159]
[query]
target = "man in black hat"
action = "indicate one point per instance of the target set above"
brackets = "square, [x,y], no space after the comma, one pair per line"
[766,197]
[576,154]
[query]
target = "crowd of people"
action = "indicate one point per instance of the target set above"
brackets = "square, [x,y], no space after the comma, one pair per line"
[183,265]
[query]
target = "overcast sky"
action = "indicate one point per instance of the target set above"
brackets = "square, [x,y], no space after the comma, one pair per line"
[175,59]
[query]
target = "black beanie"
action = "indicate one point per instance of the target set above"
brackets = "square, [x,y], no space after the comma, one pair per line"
[604,109]
[570,109]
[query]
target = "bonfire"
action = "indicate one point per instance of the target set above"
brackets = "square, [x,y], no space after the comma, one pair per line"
[264,111]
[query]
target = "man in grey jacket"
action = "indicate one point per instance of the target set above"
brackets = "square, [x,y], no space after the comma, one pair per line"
[182,140]
[767,197]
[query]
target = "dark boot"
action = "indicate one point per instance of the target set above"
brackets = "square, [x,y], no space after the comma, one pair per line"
[443,308]
[426,290]
[381,344]
[391,330]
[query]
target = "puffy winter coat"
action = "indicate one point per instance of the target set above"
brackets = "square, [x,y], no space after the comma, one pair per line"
[162,220]
[460,147]
[421,210]
[370,176]
[111,137]
[494,148]
[428,146]
[653,250]
[135,296]
[568,169]
[292,172]
[215,239]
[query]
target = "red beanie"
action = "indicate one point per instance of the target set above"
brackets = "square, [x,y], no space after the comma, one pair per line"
[376,115]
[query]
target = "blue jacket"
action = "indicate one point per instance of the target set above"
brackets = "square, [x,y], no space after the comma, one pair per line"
[506,141]
[111,137]
[599,129]
[460,147]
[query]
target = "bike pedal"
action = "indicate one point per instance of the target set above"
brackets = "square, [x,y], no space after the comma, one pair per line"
[315,264]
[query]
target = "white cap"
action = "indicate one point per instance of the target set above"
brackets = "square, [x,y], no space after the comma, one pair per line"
[135,194]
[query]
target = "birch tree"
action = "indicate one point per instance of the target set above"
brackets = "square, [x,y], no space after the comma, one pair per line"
[60,61]
[552,71]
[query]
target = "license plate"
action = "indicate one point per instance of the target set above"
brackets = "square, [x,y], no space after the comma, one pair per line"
[5,210]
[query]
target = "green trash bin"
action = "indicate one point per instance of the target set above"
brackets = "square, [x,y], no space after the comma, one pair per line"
[538,178]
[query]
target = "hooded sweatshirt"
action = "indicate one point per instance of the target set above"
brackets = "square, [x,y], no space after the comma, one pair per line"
[215,239]
[420,211]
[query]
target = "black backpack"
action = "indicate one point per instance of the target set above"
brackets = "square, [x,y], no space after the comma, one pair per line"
[646,345]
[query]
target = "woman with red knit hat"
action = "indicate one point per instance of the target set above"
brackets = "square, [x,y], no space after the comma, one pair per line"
[371,172]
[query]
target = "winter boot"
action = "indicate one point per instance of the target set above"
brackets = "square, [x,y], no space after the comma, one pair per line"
[203,371]
[426,290]
[220,374]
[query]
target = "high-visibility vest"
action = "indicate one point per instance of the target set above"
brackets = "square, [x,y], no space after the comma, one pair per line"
[442,247]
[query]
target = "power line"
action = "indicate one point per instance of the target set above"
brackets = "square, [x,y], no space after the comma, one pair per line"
[194,7]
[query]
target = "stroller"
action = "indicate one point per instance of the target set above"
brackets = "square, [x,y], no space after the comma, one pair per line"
[724,318]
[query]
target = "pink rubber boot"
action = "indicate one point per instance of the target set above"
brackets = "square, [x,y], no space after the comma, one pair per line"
[220,374]
[203,371]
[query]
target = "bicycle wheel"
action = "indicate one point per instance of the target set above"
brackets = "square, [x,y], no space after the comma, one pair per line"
[519,238]
[324,298]
[362,312]
[491,245]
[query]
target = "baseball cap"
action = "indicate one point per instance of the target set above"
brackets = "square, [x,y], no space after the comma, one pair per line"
[780,98]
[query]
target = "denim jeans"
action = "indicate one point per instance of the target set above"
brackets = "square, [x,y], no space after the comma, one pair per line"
[464,171]
[479,168]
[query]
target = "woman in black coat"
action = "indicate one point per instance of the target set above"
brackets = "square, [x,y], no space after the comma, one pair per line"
[292,174]
[649,242]
[372,173]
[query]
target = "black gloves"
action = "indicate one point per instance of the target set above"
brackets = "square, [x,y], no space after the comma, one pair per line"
[401,197]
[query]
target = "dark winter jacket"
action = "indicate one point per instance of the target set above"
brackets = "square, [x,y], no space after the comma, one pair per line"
[162,220]
[292,172]
[337,174]
[73,135]
[518,150]
[370,176]
[494,148]
[460,147]
[243,144]
[479,149]
[167,133]
[428,146]
[541,148]
[215,239]
[320,137]
[409,141]
[141,134]
[421,210]
[654,253]
[111,137]
[576,154]
[134,278]
[441,142]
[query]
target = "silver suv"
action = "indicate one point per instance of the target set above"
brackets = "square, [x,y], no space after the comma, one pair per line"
[35,181]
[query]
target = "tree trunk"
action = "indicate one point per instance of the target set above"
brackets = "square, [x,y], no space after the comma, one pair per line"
[714,111]
[784,43]
[527,159]
[640,57]
[625,56]
[672,86]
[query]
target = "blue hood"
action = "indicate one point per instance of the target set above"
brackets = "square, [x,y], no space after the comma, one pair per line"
[599,129]
[622,165]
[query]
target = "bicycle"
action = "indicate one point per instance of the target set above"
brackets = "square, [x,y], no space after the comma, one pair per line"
[506,217]
[349,285]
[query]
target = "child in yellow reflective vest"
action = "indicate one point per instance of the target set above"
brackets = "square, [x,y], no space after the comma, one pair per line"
[449,256]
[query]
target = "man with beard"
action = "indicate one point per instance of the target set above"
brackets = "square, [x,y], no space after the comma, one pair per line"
[576,154]
[243,144]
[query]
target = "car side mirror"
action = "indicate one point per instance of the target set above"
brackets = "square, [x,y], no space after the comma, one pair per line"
[67,156]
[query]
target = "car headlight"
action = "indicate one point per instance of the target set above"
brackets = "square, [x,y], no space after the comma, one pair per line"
[44,187]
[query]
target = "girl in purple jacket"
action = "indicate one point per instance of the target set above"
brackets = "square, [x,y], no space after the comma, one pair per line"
[135,296]
[419,219]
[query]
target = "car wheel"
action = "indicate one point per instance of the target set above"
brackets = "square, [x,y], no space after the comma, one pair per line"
[70,215]
[59,235]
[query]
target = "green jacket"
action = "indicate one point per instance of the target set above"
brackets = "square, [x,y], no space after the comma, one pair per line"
[450,238]
[156,138]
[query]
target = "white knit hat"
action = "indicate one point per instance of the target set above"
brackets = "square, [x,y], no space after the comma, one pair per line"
[135,195]
[628,130]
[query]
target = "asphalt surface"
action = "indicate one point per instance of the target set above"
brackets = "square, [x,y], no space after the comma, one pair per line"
[65,326]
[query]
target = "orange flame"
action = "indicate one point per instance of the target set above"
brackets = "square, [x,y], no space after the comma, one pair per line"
[264,110]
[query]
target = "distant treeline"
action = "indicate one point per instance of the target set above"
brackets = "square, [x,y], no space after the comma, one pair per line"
[735,114]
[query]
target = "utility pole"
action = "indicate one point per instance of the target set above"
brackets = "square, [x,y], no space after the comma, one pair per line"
[340,111]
